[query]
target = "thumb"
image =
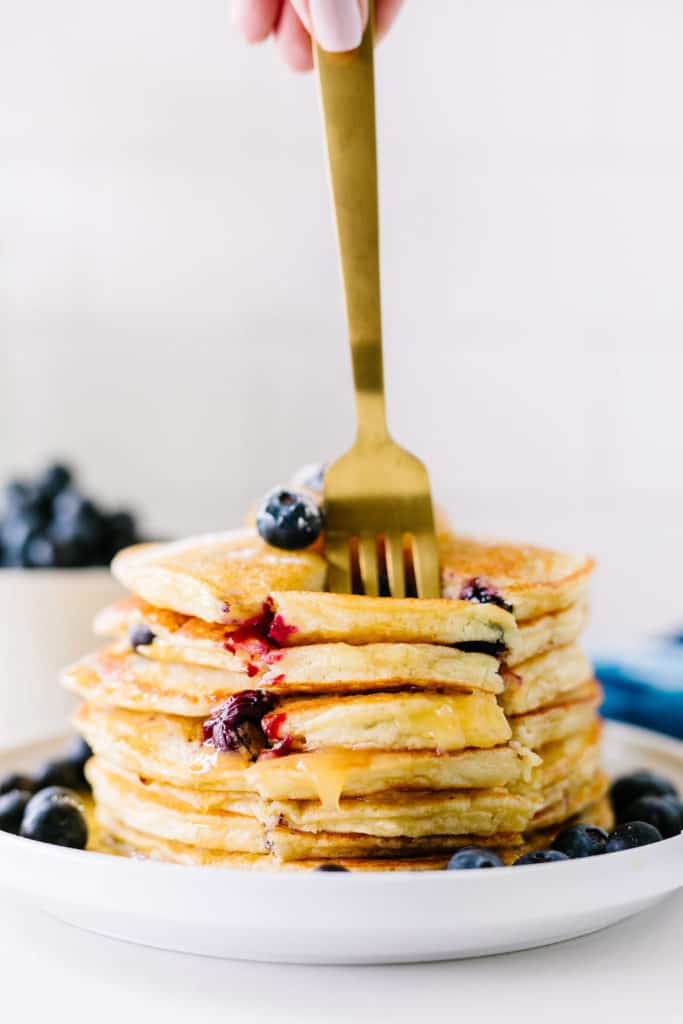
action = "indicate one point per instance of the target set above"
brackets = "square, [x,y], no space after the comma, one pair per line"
[336,25]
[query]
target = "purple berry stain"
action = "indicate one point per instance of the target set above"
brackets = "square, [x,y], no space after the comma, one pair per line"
[481,592]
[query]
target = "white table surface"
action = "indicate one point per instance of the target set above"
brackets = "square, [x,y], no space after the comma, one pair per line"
[52,972]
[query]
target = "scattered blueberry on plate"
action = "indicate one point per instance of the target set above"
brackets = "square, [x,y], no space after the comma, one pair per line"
[22,797]
[55,815]
[628,788]
[665,813]
[48,523]
[16,780]
[632,835]
[289,519]
[541,857]
[12,808]
[473,857]
[581,841]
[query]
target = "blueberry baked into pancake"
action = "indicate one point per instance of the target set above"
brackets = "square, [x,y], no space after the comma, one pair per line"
[242,716]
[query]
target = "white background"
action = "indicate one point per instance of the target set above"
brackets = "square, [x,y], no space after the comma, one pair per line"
[170,312]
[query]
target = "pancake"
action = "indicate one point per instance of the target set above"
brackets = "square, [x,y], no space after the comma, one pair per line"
[585,768]
[577,796]
[222,577]
[406,721]
[177,638]
[534,581]
[341,667]
[292,845]
[114,837]
[545,633]
[164,747]
[332,667]
[142,808]
[183,799]
[542,679]
[305,618]
[560,758]
[328,774]
[414,815]
[169,748]
[120,677]
[598,813]
[575,714]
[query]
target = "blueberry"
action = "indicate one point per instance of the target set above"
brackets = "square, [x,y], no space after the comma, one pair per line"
[16,780]
[22,497]
[16,533]
[55,816]
[541,857]
[581,841]
[631,835]
[61,771]
[17,495]
[473,857]
[79,751]
[53,481]
[73,762]
[12,807]
[331,867]
[69,504]
[664,812]
[141,636]
[289,520]
[236,724]
[119,531]
[642,783]
[40,552]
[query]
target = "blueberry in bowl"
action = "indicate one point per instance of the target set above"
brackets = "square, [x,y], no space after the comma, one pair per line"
[55,546]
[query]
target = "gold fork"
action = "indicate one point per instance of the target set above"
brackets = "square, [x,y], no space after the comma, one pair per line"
[377,496]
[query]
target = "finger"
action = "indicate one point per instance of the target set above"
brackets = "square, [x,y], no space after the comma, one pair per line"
[336,25]
[384,16]
[293,41]
[255,19]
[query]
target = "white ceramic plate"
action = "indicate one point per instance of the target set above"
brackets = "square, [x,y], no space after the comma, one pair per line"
[352,918]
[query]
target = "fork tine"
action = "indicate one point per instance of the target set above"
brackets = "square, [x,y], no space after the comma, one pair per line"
[393,547]
[339,563]
[367,556]
[426,563]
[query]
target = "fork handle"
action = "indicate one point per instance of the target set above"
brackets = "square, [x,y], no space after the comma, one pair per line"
[347,92]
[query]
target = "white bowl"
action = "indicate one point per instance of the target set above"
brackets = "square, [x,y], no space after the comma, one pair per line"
[356,918]
[45,622]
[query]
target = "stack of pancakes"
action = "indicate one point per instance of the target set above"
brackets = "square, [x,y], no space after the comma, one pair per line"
[242,716]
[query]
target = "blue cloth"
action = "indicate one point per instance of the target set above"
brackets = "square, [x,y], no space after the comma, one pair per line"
[645,686]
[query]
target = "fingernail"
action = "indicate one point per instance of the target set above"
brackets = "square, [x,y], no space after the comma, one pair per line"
[338,24]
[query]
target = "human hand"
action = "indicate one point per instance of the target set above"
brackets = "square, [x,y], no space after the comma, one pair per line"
[336,25]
